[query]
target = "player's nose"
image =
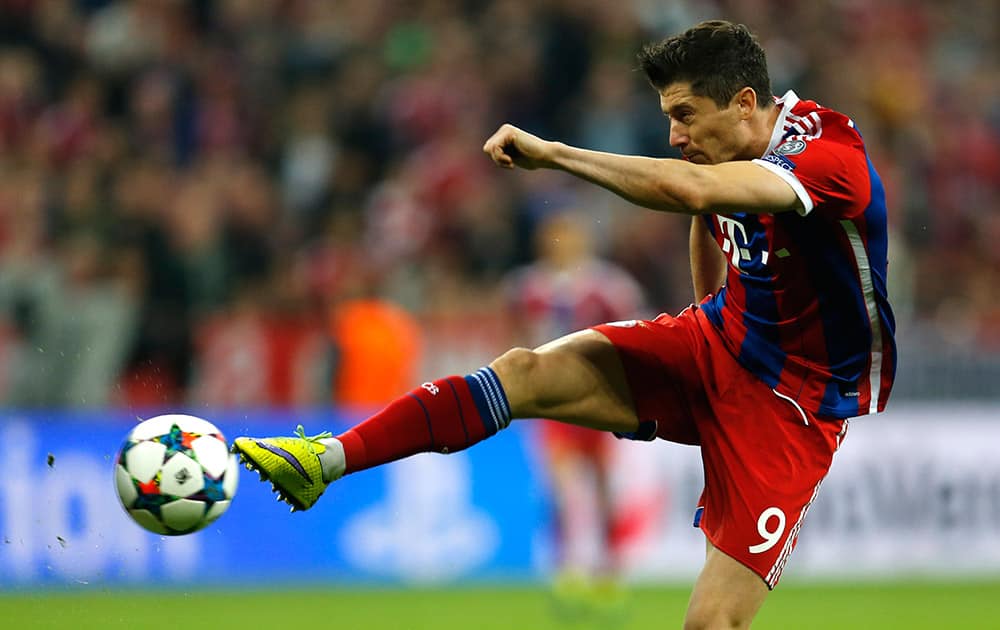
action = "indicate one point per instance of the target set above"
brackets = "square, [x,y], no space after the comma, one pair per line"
[679,136]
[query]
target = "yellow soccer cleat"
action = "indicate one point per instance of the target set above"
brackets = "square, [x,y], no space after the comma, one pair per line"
[291,464]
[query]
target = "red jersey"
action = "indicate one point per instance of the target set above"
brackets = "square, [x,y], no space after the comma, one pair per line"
[805,306]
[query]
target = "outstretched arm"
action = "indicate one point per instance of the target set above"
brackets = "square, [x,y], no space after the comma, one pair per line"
[669,185]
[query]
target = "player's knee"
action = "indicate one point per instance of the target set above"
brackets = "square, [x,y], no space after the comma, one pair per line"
[516,367]
[521,372]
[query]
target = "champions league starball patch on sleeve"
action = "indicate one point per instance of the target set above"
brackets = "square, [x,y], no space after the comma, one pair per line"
[791,147]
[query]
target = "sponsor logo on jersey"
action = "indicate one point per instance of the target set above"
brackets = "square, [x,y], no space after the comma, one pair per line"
[734,237]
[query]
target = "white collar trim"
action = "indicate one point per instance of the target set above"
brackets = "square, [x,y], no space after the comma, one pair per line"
[786,103]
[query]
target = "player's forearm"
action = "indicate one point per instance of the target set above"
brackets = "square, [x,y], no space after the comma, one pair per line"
[659,184]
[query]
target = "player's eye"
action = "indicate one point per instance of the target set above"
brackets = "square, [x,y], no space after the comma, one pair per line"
[684,116]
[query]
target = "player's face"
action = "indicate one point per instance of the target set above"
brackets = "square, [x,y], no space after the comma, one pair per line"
[704,133]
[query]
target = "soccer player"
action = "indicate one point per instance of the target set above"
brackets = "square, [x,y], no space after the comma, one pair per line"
[795,335]
[568,286]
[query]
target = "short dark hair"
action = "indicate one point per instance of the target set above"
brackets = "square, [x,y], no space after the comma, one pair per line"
[717,58]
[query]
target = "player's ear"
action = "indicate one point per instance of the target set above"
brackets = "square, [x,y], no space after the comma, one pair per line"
[746,101]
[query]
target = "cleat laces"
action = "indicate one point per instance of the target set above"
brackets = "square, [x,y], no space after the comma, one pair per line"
[300,432]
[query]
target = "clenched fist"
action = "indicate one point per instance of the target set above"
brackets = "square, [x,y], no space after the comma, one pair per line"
[510,147]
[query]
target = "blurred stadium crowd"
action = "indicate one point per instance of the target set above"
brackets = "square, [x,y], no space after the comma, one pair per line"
[263,202]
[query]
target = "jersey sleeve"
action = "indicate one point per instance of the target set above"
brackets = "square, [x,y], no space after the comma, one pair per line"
[829,175]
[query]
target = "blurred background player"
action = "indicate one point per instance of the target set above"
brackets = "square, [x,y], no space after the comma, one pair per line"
[570,287]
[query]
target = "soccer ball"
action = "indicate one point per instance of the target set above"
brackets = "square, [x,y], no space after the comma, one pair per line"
[175,475]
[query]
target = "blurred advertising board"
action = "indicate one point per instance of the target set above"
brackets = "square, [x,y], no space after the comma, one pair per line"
[916,490]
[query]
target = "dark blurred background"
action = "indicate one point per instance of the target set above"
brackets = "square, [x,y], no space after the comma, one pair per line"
[258,202]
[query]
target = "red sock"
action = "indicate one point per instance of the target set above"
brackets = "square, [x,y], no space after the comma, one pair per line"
[445,416]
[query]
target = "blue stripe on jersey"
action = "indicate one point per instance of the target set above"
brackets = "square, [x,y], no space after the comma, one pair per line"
[713,309]
[834,273]
[761,349]
[835,280]
[878,244]
[878,254]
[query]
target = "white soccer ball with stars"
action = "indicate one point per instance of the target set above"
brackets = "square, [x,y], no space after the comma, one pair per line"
[175,475]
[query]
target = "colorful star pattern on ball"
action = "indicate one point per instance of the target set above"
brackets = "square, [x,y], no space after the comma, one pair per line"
[177,441]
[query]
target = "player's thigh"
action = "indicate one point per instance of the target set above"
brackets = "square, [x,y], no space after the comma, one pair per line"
[726,594]
[578,378]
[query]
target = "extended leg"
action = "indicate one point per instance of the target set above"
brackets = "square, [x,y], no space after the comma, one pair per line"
[577,379]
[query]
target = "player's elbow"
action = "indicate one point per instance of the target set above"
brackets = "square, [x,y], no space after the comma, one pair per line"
[689,197]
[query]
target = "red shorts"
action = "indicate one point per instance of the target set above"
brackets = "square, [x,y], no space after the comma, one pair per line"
[764,456]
